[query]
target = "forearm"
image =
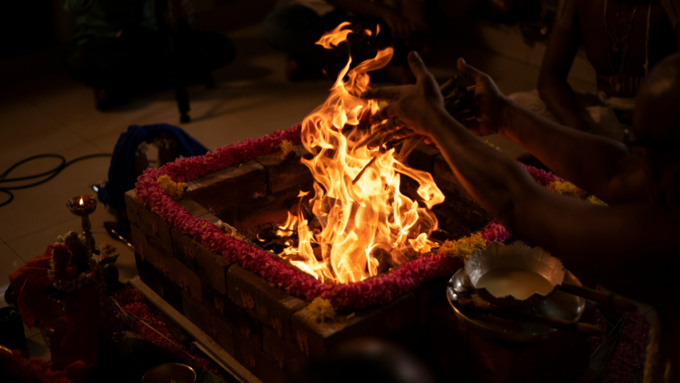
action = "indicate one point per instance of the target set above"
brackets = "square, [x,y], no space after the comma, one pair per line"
[559,98]
[491,178]
[362,7]
[587,160]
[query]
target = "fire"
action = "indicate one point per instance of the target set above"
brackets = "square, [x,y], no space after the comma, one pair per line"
[363,227]
[81,201]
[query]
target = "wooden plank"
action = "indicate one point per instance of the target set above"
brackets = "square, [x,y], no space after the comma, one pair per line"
[234,367]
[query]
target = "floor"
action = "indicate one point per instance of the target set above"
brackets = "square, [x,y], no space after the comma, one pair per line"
[55,114]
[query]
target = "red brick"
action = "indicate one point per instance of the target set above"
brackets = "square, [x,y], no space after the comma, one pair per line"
[286,354]
[208,320]
[195,312]
[237,318]
[271,208]
[385,321]
[192,207]
[186,279]
[284,173]
[168,265]
[157,230]
[422,157]
[148,274]
[229,187]
[159,283]
[150,253]
[209,266]
[185,248]
[270,305]
[259,364]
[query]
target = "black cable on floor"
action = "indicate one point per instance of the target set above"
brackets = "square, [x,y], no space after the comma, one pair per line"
[49,174]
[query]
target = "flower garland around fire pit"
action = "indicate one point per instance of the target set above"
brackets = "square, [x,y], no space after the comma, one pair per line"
[354,295]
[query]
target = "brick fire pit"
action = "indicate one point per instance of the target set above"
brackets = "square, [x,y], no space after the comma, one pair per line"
[268,331]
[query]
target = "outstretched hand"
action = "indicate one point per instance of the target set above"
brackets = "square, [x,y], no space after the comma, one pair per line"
[417,104]
[412,104]
[490,102]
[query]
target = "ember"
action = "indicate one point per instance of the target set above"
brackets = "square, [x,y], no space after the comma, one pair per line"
[360,223]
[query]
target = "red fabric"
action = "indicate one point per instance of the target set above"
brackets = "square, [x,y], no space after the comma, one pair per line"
[30,282]
[76,334]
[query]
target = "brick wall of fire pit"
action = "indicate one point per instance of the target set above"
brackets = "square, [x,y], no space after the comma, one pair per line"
[266,329]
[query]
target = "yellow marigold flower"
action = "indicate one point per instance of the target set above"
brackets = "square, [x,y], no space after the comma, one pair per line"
[321,312]
[287,148]
[596,201]
[174,189]
[463,248]
[566,188]
[232,232]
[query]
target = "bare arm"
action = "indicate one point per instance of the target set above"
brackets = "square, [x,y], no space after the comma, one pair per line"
[557,61]
[604,242]
[597,164]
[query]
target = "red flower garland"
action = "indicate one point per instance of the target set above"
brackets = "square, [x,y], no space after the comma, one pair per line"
[35,370]
[629,352]
[133,302]
[380,290]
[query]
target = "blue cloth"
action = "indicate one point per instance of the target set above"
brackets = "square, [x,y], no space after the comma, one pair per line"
[122,169]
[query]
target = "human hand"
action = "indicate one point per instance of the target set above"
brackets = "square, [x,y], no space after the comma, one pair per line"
[414,104]
[490,102]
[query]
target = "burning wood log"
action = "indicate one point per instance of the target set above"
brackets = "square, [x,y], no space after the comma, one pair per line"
[361,173]
[409,145]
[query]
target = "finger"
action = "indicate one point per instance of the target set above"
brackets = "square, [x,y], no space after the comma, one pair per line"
[389,93]
[384,114]
[417,65]
[469,71]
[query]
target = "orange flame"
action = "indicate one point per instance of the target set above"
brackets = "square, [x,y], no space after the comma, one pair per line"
[360,225]
[81,201]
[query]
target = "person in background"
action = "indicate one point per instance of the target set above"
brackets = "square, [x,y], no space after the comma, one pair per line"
[295,25]
[624,40]
[118,50]
[631,239]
